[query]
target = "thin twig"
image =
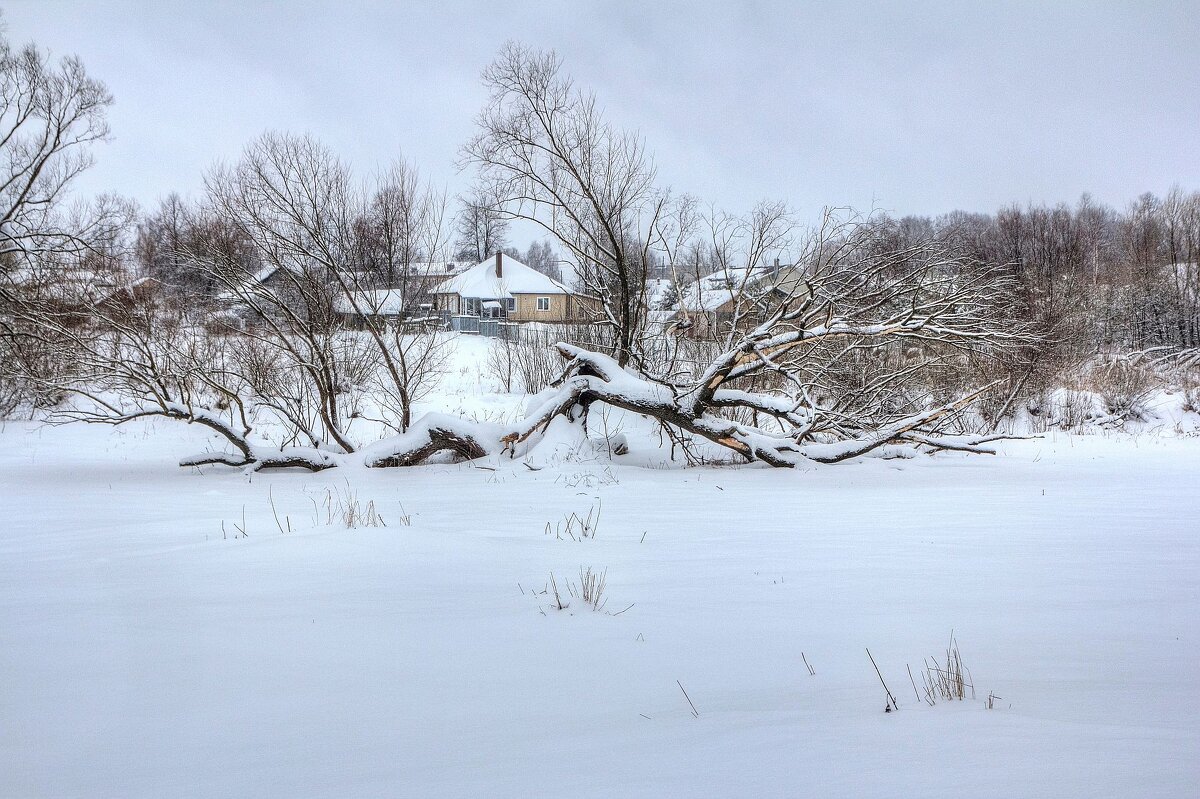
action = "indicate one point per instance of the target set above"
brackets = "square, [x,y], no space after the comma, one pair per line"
[914,682]
[695,713]
[891,699]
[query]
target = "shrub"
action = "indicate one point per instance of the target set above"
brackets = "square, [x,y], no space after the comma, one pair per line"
[1123,384]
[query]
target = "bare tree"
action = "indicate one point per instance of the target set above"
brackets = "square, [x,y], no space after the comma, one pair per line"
[321,250]
[482,227]
[541,257]
[545,152]
[50,114]
[405,228]
[163,238]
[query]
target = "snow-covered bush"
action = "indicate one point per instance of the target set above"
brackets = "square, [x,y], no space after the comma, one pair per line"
[1124,383]
[1191,395]
[1074,409]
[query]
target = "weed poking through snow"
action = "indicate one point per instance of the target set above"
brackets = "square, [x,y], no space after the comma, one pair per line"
[576,527]
[343,508]
[949,681]
[589,590]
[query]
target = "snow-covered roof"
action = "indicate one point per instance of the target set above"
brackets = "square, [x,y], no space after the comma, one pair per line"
[516,278]
[74,284]
[383,302]
[712,291]
[431,269]
[414,270]
[248,284]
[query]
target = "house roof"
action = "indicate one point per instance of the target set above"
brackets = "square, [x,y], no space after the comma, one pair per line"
[516,278]
[790,282]
[67,283]
[715,290]
[248,283]
[413,270]
[383,302]
[432,269]
[712,291]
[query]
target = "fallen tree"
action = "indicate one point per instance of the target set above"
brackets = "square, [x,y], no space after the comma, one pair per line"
[589,378]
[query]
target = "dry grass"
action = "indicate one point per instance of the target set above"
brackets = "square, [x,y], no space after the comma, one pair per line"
[239,530]
[1125,384]
[948,681]
[558,602]
[576,527]
[343,508]
[591,588]
[692,705]
[1191,394]
[1075,409]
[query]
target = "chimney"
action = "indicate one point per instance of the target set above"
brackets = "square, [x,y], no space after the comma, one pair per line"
[499,265]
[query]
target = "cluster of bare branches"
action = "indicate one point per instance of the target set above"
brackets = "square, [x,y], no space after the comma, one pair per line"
[49,115]
[290,248]
[322,249]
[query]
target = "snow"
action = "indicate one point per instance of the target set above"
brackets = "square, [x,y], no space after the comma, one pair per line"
[658,294]
[249,284]
[146,653]
[711,292]
[432,269]
[516,278]
[381,302]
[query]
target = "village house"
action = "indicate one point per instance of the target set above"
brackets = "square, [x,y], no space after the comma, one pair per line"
[503,288]
[709,304]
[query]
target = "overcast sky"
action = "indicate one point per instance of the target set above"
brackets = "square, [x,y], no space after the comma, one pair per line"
[914,108]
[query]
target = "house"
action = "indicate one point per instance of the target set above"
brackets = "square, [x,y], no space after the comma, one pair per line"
[143,293]
[394,306]
[69,292]
[504,288]
[268,279]
[400,293]
[403,289]
[709,303]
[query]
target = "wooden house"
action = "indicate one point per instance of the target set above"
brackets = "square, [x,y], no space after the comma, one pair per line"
[504,288]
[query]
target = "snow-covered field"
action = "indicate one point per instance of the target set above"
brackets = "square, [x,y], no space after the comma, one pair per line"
[144,652]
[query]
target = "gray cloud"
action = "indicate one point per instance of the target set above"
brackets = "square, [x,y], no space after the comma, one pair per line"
[914,108]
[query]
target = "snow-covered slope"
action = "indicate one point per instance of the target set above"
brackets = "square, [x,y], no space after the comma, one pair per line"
[149,648]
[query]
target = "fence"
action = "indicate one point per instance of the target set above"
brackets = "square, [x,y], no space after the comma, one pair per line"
[491,328]
[536,333]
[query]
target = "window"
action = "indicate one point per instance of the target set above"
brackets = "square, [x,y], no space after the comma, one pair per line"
[543,303]
[510,304]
